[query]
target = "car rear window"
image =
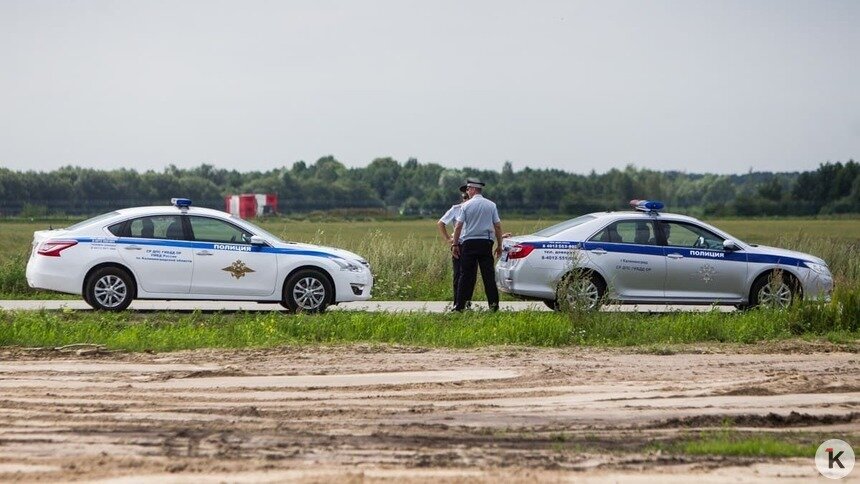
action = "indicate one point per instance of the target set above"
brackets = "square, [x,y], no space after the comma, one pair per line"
[561,227]
[92,220]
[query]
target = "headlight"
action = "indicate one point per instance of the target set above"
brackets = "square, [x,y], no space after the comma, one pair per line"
[346,265]
[818,268]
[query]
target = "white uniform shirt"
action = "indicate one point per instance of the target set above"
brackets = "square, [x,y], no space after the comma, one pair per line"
[451,215]
[479,217]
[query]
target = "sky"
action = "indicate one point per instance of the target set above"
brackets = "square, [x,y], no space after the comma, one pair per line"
[716,86]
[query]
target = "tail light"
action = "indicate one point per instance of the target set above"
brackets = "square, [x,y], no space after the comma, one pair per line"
[52,248]
[520,251]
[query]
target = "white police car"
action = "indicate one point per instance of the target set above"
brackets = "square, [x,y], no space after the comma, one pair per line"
[645,256]
[184,252]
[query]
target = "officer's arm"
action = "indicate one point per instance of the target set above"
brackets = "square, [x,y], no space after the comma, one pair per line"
[455,243]
[444,231]
[498,228]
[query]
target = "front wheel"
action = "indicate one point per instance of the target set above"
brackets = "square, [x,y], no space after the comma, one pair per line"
[307,291]
[109,289]
[774,290]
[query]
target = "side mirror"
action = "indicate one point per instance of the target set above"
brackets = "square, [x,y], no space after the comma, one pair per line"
[730,245]
[257,240]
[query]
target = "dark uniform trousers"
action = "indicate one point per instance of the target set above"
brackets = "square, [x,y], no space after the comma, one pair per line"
[476,253]
[455,263]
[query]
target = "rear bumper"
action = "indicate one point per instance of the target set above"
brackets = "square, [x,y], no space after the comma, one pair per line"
[52,275]
[538,285]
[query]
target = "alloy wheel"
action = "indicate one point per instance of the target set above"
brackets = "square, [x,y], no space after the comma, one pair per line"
[110,291]
[309,293]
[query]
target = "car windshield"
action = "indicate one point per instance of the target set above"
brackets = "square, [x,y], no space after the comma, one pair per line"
[259,231]
[92,220]
[561,227]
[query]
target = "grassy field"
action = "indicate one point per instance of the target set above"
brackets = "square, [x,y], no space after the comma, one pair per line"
[837,322]
[410,261]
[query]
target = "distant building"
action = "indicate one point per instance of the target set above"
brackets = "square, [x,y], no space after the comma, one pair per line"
[250,205]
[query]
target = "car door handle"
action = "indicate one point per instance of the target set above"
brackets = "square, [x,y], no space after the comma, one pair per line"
[675,255]
[132,247]
[598,251]
[204,252]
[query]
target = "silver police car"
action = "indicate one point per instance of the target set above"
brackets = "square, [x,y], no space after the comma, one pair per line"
[646,256]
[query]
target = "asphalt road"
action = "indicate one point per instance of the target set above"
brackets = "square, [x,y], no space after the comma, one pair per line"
[376,306]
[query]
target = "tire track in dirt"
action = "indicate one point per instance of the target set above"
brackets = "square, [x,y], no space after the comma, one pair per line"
[333,413]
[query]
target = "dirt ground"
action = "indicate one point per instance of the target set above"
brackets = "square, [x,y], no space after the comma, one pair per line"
[381,413]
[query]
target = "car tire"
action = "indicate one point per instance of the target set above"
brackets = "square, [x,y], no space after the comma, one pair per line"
[774,289]
[109,289]
[86,295]
[551,303]
[307,291]
[582,291]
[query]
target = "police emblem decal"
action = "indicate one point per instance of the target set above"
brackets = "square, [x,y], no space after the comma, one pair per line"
[707,272]
[238,269]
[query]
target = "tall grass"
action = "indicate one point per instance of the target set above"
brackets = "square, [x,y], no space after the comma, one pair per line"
[13,278]
[837,320]
[172,331]
[841,255]
[410,262]
[166,331]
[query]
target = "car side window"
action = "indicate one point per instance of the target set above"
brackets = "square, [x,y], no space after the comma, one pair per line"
[639,232]
[679,234]
[118,229]
[214,230]
[156,227]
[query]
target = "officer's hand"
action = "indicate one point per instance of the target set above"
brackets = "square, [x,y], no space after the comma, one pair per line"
[455,251]
[498,251]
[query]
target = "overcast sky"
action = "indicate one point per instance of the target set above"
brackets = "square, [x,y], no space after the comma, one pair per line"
[699,86]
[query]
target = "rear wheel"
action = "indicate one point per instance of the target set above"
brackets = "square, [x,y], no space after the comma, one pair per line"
[582,290]
[109,289]
[308,291]
[776,289]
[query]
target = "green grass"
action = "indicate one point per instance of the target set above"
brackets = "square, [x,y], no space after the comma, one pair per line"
[175,331]
[411,262]
[763,446]
[740,444]
[165,331]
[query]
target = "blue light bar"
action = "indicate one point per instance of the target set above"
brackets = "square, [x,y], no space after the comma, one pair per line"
[647,205]
[180,202]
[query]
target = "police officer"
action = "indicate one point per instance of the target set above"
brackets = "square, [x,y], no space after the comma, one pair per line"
[449,218]
[478,226]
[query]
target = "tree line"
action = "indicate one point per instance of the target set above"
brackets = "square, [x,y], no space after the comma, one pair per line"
[413,188]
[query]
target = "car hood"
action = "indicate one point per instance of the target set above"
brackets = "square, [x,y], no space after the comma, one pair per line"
[343,254]
[776,251]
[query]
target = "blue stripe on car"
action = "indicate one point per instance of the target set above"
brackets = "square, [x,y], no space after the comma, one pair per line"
[188,244]
[734,256]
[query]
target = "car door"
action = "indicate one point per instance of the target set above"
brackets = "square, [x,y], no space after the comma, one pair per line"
[226,264]
[627,253]
[697,266]
[155,250]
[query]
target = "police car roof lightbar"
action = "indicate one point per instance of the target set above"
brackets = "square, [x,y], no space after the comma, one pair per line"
[180,202]
[647,205]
